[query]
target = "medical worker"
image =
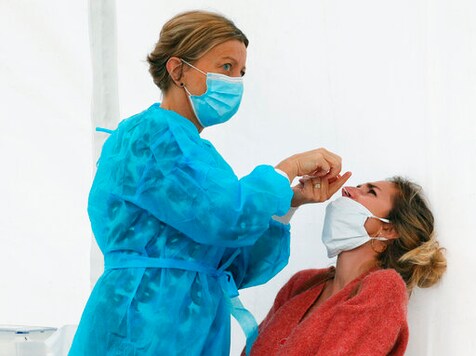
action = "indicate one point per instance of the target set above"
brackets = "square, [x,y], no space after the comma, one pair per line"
[180,233]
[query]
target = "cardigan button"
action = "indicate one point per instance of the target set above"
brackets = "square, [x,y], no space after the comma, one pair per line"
[283,341]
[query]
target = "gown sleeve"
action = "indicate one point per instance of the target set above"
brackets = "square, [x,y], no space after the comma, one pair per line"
[258,263]
[183,181]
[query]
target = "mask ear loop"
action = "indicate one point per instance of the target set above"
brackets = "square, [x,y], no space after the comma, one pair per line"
[191,65]
[186,90]
[382,220]
[387,221]
[183,85]
[372,241]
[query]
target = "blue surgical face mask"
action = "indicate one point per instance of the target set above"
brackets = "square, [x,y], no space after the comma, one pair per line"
[344,227]
[221,100]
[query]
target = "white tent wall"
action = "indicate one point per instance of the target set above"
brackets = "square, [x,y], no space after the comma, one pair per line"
[389,85]
[46,155]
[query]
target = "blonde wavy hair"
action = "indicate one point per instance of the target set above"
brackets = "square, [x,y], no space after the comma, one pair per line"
[189,36]
[416,255]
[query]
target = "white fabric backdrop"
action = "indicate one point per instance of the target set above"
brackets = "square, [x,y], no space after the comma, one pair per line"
[390,86]
[45,155]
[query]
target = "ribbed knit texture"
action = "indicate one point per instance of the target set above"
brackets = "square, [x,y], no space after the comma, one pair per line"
[367,317]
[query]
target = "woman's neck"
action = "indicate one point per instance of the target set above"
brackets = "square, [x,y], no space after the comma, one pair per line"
[176,100]
[351,264]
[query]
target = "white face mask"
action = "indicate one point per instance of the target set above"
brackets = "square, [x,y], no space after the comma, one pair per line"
[344,227]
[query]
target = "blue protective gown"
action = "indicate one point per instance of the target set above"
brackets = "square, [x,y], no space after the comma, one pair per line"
[163,194]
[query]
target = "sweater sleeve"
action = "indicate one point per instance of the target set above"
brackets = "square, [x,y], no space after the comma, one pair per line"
[373,322]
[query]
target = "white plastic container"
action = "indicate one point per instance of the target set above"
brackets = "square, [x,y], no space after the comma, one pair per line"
[19,340]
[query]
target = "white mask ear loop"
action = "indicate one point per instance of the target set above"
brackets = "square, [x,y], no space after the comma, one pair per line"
[383,220]
[201,71]
[186,90]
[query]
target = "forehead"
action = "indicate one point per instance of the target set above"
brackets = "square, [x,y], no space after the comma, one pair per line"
[385,185]
[234,49]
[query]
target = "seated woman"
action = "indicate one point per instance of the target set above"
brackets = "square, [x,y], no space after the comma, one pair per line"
[382,234]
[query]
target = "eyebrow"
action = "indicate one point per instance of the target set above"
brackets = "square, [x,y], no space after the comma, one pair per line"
[370,185]
[230,58]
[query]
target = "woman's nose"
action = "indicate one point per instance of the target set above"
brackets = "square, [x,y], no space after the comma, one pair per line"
[350,192]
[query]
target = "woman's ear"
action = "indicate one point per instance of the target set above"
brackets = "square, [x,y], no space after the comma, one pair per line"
[388,231]
[174,67]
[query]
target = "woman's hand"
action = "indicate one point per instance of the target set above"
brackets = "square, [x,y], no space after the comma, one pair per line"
[319,163]
[314,189]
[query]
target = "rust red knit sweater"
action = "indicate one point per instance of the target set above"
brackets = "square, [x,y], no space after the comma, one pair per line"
[371,321]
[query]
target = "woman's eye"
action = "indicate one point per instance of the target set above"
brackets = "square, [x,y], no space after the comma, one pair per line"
[371,191]
[227,67]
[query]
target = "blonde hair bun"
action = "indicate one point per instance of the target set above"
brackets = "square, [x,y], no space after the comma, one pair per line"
[429,263]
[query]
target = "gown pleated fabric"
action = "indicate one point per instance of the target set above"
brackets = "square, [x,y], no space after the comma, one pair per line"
[177,228]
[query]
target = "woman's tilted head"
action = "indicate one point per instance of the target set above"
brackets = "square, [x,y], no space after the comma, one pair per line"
[416,253]
[189,36]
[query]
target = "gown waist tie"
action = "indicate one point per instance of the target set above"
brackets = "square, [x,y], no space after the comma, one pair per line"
[248,324]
